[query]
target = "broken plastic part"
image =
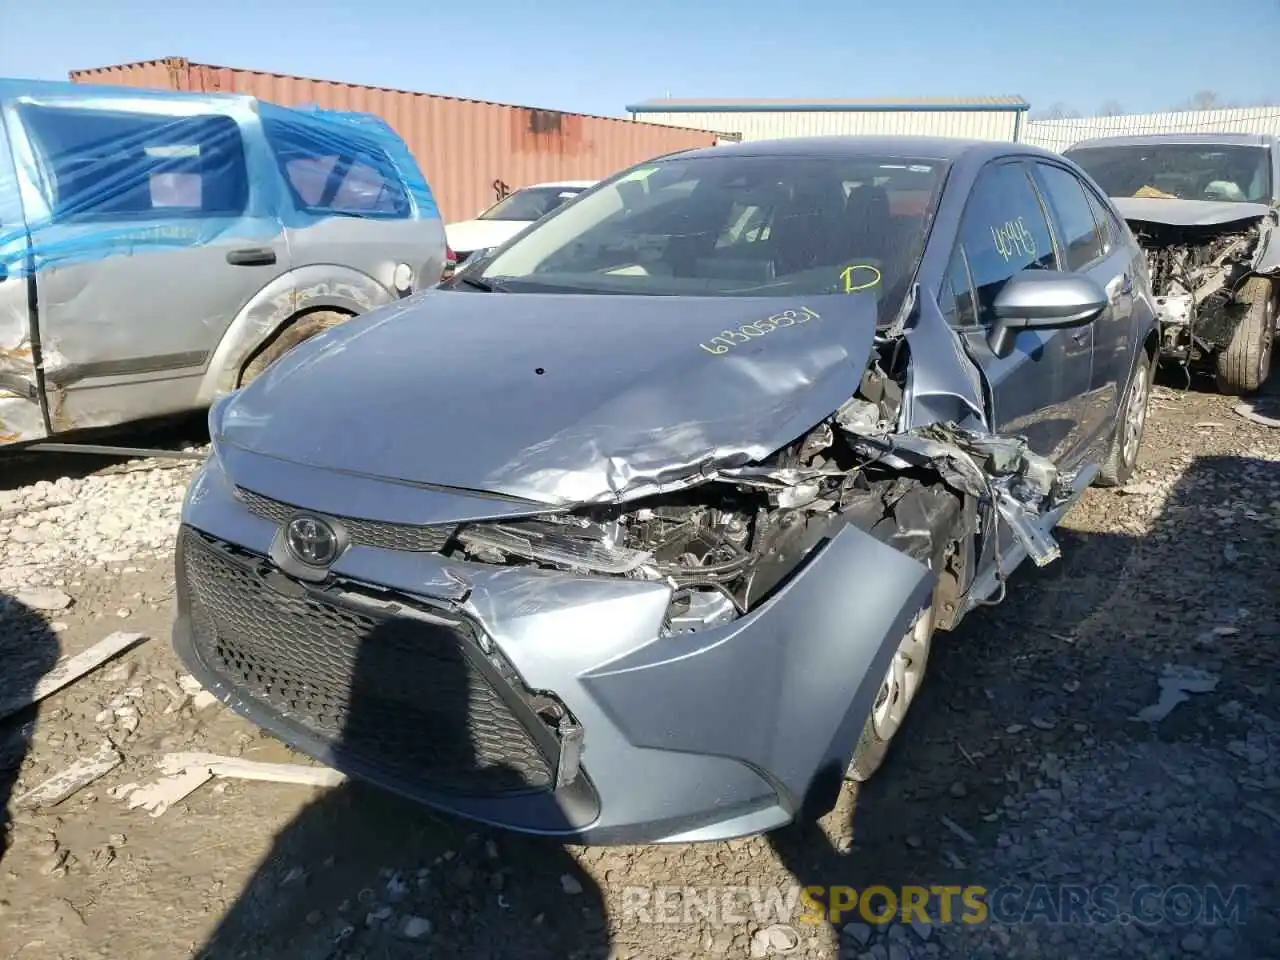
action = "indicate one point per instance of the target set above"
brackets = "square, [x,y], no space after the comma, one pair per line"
[1040,547]
[542,541]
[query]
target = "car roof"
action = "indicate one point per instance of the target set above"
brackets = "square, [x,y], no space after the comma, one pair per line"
[925,148]
[1209,139]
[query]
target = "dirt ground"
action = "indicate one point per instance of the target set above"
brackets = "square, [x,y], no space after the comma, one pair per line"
[1027,762]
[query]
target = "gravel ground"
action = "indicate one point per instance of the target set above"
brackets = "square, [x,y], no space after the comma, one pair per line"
[1041,764]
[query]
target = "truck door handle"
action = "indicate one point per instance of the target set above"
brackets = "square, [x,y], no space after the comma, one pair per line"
[253,257]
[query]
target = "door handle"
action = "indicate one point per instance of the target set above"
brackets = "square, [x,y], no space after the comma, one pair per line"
[253,257]
[1079,335]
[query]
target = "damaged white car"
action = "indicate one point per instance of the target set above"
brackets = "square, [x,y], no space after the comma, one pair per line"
[640,529]
[1205,208]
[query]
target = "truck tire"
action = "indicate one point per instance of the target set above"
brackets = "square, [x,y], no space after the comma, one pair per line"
[1130,425]
[1244,363]
[304,328]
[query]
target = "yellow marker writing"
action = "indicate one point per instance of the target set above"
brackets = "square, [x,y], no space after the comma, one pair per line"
[847,275]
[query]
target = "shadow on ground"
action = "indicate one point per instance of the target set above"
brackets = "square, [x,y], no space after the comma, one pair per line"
[21,467]
[363,873]
[28,650]
[1067,660]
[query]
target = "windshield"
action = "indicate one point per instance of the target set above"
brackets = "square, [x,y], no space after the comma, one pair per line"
[737,226]
[530,204]
[1180,171]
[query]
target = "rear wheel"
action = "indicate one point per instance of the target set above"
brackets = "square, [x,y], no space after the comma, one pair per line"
[1244,363]
[304,328]
[897,692]
[1127,441]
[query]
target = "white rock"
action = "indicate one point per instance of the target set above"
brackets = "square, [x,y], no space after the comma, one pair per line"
[570,885]
[43,598]
[415,928]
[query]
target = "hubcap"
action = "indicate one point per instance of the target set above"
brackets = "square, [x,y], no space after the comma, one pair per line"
[902,679]
[1135,418]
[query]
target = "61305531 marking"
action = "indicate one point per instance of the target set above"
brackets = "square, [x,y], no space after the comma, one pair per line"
[724,341]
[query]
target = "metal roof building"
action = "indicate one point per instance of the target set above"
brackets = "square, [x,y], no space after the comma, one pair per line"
[979,118]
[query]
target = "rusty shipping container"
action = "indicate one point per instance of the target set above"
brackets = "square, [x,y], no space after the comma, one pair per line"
[470,150]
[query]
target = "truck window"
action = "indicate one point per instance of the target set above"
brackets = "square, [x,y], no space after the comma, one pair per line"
[112,165]
[330,173]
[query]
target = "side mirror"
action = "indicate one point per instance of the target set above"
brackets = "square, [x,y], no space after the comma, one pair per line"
[1043,300]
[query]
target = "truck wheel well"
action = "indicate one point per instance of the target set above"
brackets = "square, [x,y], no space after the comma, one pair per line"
[301,326]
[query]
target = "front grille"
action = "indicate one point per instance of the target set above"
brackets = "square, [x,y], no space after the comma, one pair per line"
[365,533]
[414,701]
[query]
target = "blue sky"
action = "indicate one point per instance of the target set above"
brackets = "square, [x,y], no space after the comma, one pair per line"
[597,57]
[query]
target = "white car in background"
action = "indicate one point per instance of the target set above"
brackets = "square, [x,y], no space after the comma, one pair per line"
[509,216]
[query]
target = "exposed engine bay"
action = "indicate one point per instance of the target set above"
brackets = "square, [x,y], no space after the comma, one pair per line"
[1195,273]
[727,544]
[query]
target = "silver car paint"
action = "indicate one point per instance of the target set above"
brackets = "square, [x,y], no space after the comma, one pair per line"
[163,331]
[1205,213]
[724,733]
[612,677]
[1187,213]
[572,422]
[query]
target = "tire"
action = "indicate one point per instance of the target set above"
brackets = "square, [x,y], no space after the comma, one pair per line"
[1126,442]
[304,328]
[873,745]
[1244,363]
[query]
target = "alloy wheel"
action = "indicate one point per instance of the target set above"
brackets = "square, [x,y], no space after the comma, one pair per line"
[902,679]
[1135,418]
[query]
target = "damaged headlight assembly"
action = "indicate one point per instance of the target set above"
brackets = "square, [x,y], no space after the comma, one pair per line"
[724,545]
[727,543]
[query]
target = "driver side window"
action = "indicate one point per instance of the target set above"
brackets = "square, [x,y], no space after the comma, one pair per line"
[1003,232]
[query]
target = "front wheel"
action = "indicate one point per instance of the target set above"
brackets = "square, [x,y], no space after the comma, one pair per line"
[894,698]
[1127,440]
[1245,362]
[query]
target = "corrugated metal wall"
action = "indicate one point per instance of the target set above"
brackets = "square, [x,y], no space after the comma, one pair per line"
[978,125]
[468,148]
[1061,134]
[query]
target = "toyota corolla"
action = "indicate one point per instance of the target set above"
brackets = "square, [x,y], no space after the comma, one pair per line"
[641,528]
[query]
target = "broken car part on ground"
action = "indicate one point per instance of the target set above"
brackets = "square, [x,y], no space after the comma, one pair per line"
[674,576]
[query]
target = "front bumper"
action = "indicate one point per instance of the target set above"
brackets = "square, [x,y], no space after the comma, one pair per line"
[427,676]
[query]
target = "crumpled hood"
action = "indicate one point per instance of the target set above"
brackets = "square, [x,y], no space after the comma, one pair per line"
[557,398]
[1187,213]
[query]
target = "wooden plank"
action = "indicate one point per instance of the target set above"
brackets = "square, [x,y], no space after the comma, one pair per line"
[75,777]
[69,669]
[239,769]
[160,795]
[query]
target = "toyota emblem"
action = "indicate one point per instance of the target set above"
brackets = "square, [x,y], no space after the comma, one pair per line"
[312,541]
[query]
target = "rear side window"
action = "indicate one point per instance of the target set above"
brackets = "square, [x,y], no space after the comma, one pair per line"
[1077,229]
[113,165]
[1004,231]
[1108,230]
[331,173]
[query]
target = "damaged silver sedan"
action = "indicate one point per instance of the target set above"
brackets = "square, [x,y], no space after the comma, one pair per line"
[1205,208]
[641,529]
